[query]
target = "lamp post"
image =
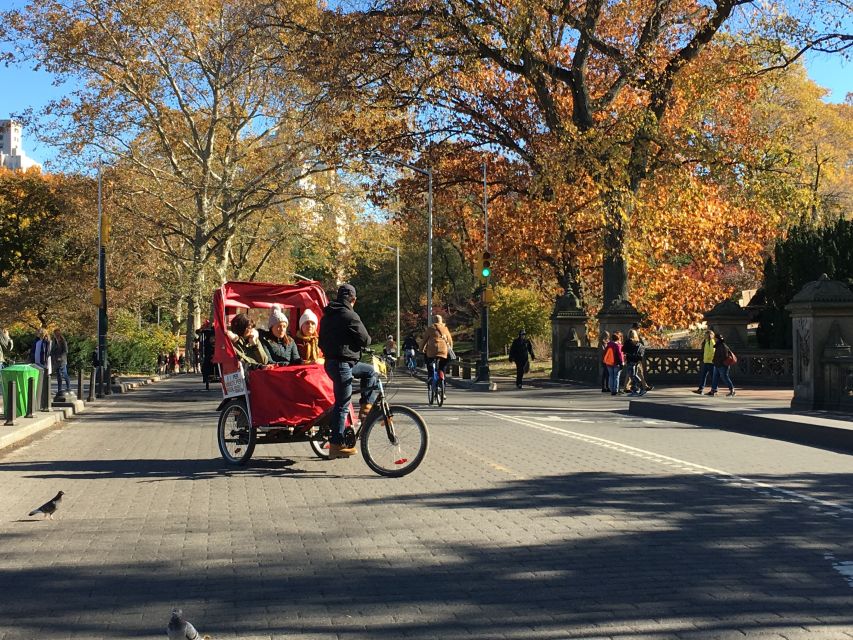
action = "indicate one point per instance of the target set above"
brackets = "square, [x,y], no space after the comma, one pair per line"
[428,173]
[396,250]
[103,238]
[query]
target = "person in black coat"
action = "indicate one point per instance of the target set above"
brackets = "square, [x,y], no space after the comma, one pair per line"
[518,352]
[342,337]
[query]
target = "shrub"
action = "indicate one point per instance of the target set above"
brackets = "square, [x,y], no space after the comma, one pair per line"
[513,310]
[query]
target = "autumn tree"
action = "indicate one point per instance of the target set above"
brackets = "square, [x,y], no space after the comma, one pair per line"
[203,107]
[576,90]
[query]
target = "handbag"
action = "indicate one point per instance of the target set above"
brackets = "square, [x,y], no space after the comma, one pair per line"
[451,354]
[730,358]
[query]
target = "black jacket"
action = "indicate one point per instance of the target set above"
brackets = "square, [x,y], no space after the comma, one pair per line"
[342,334]
[519,350]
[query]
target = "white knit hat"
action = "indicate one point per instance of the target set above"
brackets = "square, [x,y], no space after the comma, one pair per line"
[306,316]
[276,315]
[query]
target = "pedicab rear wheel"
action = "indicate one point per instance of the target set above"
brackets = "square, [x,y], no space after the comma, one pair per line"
[235,434]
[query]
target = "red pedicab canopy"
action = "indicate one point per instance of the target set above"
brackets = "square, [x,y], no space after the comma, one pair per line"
[291,395]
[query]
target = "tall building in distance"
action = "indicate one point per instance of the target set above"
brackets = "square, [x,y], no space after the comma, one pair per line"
[12,154]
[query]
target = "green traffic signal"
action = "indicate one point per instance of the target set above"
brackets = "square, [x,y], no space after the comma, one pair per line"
[487,266]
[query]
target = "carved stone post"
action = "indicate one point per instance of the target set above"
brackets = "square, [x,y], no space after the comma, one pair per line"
[619,316]
[822,313]
[568,329]
[729,319]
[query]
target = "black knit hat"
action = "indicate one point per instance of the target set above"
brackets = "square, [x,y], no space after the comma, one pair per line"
[346,292]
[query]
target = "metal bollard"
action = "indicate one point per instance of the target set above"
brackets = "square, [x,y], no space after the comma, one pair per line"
[109,385]
[99,392]
[31,397]
[91,396]
[80,383]
[11,405]
[46,397]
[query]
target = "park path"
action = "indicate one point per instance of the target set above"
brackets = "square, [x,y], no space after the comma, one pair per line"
[535,515]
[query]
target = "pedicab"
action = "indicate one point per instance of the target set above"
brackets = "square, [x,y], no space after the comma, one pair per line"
[293,404]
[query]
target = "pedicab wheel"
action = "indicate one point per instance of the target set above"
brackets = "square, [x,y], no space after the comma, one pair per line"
[397,448]
[320,445]
[236,436]
[389,373]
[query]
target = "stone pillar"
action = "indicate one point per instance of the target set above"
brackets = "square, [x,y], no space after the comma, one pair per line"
[619,316]
[568,330]
[821,313]
[729,319]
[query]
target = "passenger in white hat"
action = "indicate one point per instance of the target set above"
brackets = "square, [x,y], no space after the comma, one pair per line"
[306,338]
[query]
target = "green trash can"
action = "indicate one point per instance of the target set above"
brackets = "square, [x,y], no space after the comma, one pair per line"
[20,373]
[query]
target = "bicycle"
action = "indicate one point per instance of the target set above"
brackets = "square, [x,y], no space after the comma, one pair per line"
[436,385]
[393,451]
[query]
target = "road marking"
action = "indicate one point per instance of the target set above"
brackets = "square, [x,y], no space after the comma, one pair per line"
[682,465]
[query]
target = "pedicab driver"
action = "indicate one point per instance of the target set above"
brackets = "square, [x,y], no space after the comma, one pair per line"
[342,336]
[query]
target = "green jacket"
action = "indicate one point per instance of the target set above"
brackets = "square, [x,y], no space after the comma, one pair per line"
[252,355]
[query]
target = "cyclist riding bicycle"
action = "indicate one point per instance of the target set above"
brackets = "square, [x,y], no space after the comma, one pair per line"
[342,337]
[437,344]
[410,347]
[390,350]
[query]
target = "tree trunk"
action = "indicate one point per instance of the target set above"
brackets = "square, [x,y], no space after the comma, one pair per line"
[615,265]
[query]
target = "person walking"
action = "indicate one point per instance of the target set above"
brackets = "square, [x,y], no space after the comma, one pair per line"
[59,353]
[707,348]
[6,346]
[437,344]
[615,360]
[518,352]
[641,365]
[634,351]
[603,342]
[722,363]
[342,337]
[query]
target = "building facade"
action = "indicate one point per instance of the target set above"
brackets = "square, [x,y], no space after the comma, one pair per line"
[12,154]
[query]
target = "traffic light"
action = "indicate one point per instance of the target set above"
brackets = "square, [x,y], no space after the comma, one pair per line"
[486,265]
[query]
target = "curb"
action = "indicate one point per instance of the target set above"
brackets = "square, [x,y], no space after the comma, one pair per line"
[827,436]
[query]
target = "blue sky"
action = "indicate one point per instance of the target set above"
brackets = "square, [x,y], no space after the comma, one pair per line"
[23,88]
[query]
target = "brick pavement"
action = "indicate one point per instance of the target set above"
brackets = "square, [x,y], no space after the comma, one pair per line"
[523,522]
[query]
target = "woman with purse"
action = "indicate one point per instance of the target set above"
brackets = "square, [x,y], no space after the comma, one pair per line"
[724,358]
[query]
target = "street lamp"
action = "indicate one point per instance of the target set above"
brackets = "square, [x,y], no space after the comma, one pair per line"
[428,173]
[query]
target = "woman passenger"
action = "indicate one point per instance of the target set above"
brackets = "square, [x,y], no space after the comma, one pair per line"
[307,339]
[280,346]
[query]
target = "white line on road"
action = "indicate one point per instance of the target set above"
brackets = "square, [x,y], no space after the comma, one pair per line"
[682,465]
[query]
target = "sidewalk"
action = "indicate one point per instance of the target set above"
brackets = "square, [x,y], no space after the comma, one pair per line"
[760,412]
[25,428]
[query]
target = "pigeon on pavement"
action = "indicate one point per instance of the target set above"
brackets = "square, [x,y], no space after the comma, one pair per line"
[49,508]
[180,629]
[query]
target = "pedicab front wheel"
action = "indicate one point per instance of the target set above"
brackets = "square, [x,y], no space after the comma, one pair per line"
[395,446]
[236,436]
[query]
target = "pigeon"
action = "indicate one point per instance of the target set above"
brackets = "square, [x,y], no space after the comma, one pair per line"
[180,629]
[49,508]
